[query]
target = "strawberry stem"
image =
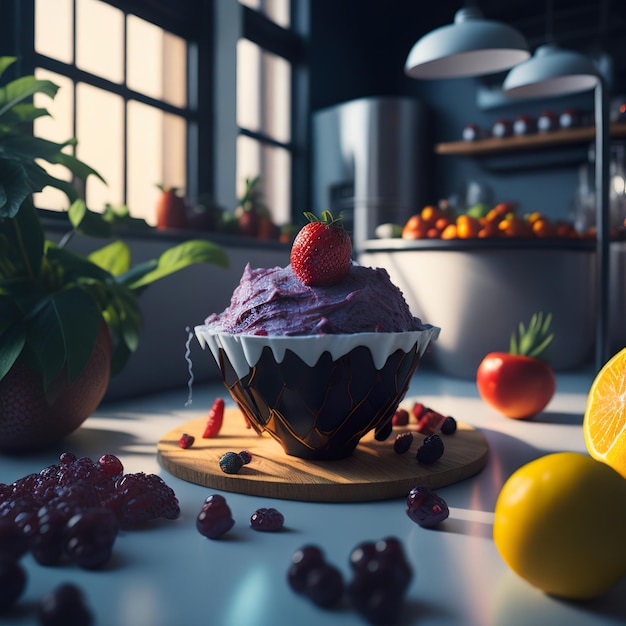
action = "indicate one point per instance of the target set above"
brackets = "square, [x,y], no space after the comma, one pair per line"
[326,218]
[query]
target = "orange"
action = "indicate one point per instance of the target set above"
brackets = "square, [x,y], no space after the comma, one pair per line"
[559,524]
[604,424]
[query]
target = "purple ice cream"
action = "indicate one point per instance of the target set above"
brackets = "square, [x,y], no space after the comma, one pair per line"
[275,302]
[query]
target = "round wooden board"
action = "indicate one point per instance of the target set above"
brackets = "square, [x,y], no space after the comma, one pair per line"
[373,472]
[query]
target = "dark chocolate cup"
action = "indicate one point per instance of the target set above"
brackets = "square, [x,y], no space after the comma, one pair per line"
[319,403]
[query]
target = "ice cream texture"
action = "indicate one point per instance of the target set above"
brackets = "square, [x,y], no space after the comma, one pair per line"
[275,302]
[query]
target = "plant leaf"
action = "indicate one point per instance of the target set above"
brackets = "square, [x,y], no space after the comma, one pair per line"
[88,222]
[114,258]
[6,62]
[12,336]
[25,231]
[179,257]
[23,88]
[15,186]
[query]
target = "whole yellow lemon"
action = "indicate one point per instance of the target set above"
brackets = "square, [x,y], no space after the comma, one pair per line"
[559,523]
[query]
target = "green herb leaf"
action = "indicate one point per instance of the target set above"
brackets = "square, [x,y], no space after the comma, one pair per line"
[114,258]
[12,336]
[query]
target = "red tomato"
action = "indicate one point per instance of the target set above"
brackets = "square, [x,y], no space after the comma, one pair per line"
[516,386]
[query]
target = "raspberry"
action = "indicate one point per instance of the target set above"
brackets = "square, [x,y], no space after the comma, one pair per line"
[186,441]
[425,507]
[403,443]
[400,417]
[141,498]
[267,520]
[449,426]
[429,422]
[231,463]
[417,410]
[215,518]
[431,450]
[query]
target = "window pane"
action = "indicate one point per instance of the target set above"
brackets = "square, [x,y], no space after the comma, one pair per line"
[156,62]
[275,10]
[53,29]
[100,134]
[263,91]
[59,128]
[273,165]
[156,155]
[100,39]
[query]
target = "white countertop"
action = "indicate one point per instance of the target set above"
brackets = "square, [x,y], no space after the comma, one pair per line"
[169,575]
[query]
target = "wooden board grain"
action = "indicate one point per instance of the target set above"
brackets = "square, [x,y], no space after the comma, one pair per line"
[373,472]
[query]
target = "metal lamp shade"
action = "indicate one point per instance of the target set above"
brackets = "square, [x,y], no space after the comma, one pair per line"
[551,72]
[472,46]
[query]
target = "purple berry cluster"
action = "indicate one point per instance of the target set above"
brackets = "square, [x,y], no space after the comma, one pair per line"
[267,520]
[425,507]
[72,511]
[381,575]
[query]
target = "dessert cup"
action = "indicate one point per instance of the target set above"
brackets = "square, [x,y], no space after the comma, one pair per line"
[317,395]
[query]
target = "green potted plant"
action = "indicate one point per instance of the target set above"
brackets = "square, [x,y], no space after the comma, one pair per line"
[67,322]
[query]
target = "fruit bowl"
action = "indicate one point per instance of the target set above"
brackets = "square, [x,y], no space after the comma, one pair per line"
[318,395]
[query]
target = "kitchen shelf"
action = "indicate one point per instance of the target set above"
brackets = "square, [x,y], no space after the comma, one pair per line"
[554,139]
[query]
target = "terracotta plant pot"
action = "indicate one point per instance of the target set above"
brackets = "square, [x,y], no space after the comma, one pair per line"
[31,421]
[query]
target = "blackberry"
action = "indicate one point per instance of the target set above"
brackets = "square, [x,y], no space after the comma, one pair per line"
[141,498]
[267,520]
[246,456]
[431,450]
[403,443]
[449,426]
[231,463]
[215,518]
[425,507]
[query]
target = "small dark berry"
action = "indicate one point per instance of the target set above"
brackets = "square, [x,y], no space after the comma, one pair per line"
[302,562]
[231,463]
[186,441]
[400,417]
[246,456]
[383,432]
[215,518]
[425,507]
[324,585]
[111,465]
[449,426]
[65,606]
[267,520]
[403,443]
[431,450]
[12,581]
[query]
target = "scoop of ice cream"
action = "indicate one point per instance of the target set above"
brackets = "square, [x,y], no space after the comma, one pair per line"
[275,302]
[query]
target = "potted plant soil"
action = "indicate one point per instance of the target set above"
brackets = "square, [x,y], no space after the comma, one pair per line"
[67,322]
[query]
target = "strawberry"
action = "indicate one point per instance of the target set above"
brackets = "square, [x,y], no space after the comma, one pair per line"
[321,253]
[214,422]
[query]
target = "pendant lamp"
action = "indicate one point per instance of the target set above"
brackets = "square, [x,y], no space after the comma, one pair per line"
[472,46]
[553,71]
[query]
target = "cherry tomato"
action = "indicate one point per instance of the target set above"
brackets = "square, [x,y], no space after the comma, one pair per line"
[516,386]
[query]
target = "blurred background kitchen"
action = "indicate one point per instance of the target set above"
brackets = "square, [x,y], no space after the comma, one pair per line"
[258,109]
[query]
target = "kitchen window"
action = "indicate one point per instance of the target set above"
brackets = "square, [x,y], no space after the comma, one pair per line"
[138,91]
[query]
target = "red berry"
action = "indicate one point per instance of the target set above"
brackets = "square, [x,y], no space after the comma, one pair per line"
[216,417]
[400,417]
[417,410]
[429,422]
[321,253]
[186,441]
[215,518]
[111,465]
